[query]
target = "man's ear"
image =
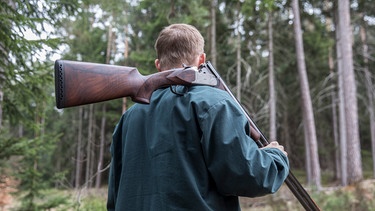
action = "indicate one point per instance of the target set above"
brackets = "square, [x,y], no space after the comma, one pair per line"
[202,59]
[157,65]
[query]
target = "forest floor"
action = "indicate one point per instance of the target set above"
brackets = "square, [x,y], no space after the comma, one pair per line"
[357,198]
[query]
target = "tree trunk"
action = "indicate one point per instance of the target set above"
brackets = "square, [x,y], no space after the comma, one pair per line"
[101,148]
[336,140]
[2,77]
[341,119]
[79,150]
[308,157]
[213,32]
[370,90]
[1,104]
[342,125]
[126,54]
[58,154]
[271,81]
[93,147]
[350,90]
[331,64]
[308,115]
[88,174]
[238,59]
[109,44]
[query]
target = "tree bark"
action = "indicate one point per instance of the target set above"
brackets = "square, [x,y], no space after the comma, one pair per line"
[126,55]
[336,141]
[271,81]
[79,150]
[1,103]
[213,32]
[101,148]
[238,53]
[354,164]
[342,125]
[369,89]
[90,140]
[308,115]
[238,59]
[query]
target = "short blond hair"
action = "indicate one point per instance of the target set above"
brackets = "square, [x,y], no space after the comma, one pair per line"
[178,44]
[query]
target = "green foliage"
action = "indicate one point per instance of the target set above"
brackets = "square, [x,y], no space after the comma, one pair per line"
[345,199]
[16,18]
[10,146]
[26,84]
[34,172]
[93,203]
[50,199]
[64,200]
[339,201]
[147,20]
[357,197]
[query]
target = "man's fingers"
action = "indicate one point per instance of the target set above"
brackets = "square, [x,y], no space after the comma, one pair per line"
[275,144]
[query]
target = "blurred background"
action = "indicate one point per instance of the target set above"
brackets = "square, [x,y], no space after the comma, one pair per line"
[304,70]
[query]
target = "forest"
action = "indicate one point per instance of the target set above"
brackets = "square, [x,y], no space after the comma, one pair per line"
[304,71]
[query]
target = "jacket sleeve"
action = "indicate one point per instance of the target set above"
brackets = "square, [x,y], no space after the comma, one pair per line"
[235,162]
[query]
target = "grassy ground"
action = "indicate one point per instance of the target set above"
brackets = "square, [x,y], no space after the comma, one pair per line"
[359,197]
[355,198]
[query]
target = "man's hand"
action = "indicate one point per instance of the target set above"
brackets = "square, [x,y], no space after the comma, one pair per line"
[275,144]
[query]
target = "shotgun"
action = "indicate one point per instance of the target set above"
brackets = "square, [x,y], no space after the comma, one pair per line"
[80,83]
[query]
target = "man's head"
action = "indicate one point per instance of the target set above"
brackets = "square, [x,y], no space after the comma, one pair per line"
[179,44]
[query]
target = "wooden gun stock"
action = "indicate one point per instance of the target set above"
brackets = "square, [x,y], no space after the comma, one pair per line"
[80,83]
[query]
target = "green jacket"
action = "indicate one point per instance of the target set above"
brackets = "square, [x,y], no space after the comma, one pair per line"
[189,150]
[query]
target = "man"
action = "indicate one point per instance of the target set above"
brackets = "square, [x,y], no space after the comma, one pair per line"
[189,149]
